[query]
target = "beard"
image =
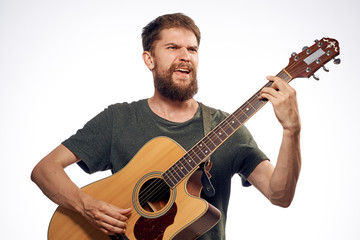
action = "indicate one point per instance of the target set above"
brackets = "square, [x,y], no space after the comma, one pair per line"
[167,87]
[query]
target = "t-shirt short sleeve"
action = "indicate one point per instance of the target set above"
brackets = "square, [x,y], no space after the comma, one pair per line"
[92,143]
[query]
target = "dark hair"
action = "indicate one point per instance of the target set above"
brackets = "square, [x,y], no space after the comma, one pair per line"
[151,32]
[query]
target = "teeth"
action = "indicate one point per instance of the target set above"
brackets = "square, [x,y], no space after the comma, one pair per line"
[183,70]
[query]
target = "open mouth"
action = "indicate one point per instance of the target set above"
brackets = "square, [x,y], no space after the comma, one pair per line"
[182,70]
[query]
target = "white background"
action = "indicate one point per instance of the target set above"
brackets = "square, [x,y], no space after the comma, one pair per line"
[62,62]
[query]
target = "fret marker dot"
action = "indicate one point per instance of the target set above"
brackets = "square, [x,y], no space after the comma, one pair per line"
[219,133]
[247,109]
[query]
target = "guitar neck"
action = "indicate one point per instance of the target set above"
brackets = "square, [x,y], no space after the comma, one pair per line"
[215,138]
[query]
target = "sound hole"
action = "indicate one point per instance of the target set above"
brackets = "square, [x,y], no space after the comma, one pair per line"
[154,195]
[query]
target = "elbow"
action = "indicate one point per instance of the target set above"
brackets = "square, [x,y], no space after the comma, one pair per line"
[34,173]
[281,198]
[37,173]
[281,203]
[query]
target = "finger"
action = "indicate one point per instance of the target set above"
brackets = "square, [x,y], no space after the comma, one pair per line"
[111,230]
[126,211]
[268,93]
[279,83]
[118,213]
[110,225]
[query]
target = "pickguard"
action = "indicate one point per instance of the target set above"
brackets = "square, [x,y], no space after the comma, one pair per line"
[154,228]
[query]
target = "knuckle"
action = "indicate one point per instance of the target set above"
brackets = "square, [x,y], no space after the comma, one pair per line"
[96,217]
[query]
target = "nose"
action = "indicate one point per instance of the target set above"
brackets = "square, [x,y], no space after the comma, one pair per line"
[184,54]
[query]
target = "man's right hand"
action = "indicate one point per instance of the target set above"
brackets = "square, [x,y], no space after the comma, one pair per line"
[104,216]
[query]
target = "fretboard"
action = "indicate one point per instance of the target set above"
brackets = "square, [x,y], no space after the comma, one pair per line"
[207,145]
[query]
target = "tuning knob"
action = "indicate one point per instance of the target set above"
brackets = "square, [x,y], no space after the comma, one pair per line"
[316,77]
[304,48]
[325,69]
[337,61]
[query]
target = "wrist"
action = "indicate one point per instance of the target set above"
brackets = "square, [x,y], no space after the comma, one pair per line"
[80,201]
[292,132]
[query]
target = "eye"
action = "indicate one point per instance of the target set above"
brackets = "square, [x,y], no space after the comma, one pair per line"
[193,50]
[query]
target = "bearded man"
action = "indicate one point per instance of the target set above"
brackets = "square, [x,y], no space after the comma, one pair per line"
[112,138]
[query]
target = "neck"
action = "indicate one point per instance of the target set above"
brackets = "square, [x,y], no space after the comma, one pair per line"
[175,111]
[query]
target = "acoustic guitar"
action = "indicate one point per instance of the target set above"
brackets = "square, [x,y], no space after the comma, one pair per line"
[161,183]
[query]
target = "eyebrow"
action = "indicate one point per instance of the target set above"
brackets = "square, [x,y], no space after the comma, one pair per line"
[177,45]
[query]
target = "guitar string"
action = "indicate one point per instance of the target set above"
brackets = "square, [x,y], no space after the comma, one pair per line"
[160,194]
[147,193]
[161,188]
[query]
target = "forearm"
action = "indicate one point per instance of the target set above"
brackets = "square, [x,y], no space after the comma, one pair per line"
[286,173]
[51,178]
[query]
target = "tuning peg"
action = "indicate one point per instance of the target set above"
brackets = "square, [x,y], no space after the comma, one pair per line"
[325,69]
[316,77]
[337,61]
[304,48]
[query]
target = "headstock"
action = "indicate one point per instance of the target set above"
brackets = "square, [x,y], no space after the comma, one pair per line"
[306,63]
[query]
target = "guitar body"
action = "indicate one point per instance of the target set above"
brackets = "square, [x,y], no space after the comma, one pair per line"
[178,213]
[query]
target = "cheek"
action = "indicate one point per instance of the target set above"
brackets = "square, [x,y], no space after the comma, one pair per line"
[195,61]
[164,64]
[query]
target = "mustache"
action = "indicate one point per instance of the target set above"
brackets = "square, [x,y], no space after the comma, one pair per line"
[182,65]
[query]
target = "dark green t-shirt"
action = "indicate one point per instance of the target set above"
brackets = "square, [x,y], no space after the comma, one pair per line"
[114,136]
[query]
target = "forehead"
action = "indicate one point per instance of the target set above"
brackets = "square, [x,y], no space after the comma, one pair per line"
[179,36]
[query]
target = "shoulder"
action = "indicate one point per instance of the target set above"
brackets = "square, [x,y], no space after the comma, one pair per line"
[126,107]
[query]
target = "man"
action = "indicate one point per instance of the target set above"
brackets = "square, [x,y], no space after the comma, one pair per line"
[113,137]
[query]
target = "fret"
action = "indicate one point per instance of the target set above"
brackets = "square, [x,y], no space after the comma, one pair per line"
[210,142]
[185,162]
[242,116]
[203,144]
[259,103]
[183,165]
[168,179]
[175,176]
[235,123]
[198,151]
[244,112]
[190,161]
[227,128]
[222,133]
[214,139]
[180,170]
[250,110]
[230,124]
[195,155]
[251,105]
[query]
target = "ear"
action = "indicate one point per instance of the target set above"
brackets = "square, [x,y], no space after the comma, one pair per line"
[148,60]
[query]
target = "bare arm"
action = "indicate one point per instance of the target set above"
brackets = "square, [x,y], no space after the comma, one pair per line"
[50,176]
[278,183]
